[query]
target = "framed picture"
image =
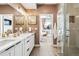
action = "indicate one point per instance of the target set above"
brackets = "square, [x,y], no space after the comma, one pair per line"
[19,19]
[32,20]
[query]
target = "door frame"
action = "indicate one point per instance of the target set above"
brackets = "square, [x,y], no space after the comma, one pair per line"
[39,25]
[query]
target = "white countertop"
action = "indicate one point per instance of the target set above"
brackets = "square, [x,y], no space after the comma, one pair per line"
[13,41]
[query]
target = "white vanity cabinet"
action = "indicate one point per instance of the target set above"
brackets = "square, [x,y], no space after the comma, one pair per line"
[21,48]
[29,44]
[11,52]
[8,52]
[16,50]
[5,53]
[26,47]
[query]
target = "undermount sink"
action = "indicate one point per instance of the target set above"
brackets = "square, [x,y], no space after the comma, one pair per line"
[4,42]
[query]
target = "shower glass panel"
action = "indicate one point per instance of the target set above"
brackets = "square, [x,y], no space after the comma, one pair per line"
[71,42]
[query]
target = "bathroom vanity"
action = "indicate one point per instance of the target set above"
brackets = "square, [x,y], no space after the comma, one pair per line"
[21,45]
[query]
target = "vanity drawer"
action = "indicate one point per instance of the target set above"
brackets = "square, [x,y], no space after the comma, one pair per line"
[29,44]
[27,51]
[28,40]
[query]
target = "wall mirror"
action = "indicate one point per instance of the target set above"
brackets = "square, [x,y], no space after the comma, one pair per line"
[6,24]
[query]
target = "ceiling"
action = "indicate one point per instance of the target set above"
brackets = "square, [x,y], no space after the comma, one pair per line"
[3,3]
[29,5]
[72,9]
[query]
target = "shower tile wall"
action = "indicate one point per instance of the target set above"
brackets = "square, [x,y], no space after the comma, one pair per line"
[73,49]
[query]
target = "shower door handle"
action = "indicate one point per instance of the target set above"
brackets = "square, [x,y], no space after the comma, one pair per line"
[67,33]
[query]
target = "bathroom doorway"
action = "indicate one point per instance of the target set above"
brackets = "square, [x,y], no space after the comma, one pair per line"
[46,29]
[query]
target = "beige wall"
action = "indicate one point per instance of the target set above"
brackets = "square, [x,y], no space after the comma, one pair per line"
[6,9]
[51,9]
[43,8]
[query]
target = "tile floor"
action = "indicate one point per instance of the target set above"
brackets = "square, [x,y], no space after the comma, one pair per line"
[44,51]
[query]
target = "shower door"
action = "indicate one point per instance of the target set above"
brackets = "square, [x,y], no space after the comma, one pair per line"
[71,41]
[72,36]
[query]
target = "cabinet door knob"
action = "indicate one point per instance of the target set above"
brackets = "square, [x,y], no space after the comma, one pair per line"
[28,49]
[27,41]
[18,42]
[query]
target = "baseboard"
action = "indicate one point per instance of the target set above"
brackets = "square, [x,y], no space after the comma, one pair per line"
[37,45]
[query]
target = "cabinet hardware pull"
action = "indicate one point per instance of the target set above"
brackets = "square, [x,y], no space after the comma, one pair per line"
[9,47]
[18,43]
[67,36]
[27,41]
[28,49]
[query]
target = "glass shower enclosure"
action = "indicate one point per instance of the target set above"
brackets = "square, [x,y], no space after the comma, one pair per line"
[71,34]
